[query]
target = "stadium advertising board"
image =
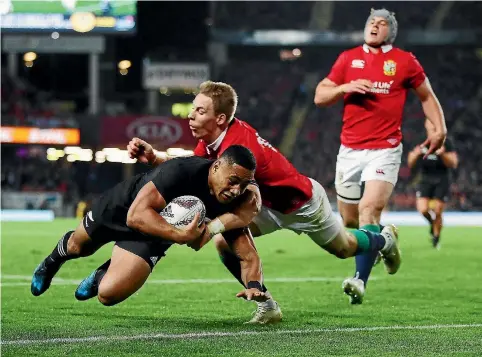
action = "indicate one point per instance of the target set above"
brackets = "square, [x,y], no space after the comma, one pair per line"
[27,135]
[94,16]
[32,201]
[174,75]
[164,132]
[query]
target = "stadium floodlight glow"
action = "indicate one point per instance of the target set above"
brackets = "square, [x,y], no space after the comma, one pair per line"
[110,150]
[55,35]
[296,52]
[51,151]
[29,57]
[100,155]
[72,149]
[173,152]
[163,90]
[100,160]
[29,64]
[124,64]
[71,158]
[123,72]
[52,158]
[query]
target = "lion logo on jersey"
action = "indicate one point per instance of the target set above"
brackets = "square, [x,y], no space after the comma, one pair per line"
[389,68]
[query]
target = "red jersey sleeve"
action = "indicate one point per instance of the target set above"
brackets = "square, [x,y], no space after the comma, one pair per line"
[337,73]
[416,74]
[200,149]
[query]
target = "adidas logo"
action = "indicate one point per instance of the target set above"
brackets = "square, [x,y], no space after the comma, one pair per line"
[154,260]
[168,212]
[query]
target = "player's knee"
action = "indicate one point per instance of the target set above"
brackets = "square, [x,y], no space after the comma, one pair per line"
[107,300]
[108,297]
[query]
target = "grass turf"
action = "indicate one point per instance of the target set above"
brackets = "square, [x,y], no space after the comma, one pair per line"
[432,288]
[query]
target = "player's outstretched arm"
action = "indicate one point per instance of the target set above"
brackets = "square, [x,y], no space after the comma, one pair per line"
[433,111]
[143,217]
[145,153]
[242,244]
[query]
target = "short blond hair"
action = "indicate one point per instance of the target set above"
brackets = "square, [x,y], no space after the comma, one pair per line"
[224,97]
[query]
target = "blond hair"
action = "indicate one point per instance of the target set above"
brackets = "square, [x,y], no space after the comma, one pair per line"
[224,97]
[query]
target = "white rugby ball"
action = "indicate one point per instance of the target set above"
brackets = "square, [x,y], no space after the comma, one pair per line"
[181,211]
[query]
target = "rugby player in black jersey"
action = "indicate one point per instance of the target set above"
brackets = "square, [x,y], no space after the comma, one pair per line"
[129,215]
[435,179]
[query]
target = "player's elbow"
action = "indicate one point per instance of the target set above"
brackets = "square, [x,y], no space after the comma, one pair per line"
[320,101]
[455,162]
[134,219]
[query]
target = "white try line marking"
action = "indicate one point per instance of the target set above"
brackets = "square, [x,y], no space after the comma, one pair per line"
[61,281]
[199,335]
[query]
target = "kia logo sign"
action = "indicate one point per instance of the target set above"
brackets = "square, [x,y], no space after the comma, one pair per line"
[156,129]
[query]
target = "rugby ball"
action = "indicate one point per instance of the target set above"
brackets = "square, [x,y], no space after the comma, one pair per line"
[181,211]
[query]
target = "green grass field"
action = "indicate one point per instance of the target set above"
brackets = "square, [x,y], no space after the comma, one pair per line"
[433,306]
[120,8]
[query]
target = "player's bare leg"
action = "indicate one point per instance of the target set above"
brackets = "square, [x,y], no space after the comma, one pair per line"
[126,274]
[72,245]
[267,312]
[349,214]
[115,280]
[375,198]
[438,208]
[423,206]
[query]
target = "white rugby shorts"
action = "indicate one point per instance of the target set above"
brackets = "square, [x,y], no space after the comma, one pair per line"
[356,166]
[315,218]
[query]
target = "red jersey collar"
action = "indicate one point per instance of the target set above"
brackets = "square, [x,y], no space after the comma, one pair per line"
[385,48]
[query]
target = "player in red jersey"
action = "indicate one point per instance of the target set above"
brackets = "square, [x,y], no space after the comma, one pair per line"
[290,199]
[373,81]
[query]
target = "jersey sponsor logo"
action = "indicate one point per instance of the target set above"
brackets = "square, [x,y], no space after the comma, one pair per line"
[381,87]
[380,172]
[392,141]
[357,63]
[389,68]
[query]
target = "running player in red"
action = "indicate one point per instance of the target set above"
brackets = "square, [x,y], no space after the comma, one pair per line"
[373,81]
[289,199]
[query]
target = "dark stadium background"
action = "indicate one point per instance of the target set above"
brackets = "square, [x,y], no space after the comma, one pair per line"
[271,81]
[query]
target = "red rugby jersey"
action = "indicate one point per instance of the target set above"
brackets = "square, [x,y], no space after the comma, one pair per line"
[373,120]
[282,187]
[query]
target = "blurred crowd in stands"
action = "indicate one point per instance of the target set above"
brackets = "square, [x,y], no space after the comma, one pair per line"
[269,88]
[344,15]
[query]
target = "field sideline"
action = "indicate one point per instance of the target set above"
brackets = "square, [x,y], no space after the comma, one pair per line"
[433,306]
